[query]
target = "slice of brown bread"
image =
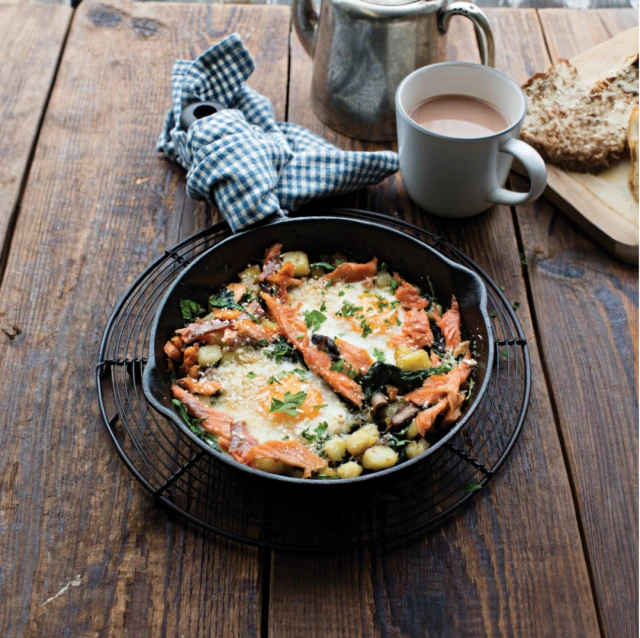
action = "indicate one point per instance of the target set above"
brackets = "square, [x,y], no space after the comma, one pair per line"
[632,135]
[576,126]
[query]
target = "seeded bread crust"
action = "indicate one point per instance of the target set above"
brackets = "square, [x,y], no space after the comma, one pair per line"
[576,126]
[632,135]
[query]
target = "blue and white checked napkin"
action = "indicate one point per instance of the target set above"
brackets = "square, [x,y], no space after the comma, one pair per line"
[242,159]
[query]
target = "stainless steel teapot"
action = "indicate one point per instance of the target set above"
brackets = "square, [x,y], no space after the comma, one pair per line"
[363,49]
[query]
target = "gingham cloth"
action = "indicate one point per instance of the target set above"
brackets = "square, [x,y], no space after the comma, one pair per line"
[244,161]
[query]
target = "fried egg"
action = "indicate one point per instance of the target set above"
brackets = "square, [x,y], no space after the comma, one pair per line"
[255,391]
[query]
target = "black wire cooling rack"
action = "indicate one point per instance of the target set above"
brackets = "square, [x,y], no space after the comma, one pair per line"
[220,498]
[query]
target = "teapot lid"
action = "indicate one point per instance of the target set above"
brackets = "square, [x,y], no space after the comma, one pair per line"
[390,3]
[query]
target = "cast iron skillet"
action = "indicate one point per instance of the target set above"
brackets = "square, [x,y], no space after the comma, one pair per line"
[359,241]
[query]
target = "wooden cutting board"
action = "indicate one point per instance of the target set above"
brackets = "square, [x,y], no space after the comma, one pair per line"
[601,204]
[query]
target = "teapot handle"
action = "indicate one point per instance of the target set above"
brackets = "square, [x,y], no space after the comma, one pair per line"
[480,22]
[305,21]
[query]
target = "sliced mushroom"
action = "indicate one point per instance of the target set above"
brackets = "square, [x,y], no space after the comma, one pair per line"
[378,402]
[326,344]
[403,416]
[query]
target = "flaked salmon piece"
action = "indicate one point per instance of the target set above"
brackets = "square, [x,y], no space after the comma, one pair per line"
[271,262]
[238,291]
[200,329]
[358,358]
[247,331]
[320,363]
[190,360]
[293,327]
[435,359]
[172,352]
[213,421]
[255,309]
[455,408]
[438,386]
[408,295]
[449,324]
[203,387]
[291,323]
[226,314]
[290,452]
[415,331]
[241,442]
[283,279]
[350,271]
[426,418]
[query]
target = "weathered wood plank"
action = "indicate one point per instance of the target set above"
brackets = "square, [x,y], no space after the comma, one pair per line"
[587,315]
[99,206]
[509,564]
[31,40]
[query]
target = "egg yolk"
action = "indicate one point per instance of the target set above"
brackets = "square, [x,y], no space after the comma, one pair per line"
[292,383]
[377,312]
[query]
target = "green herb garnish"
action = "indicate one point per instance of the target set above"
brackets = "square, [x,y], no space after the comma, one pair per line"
[251,375]
[338,366]
[280,349]
[226,300]
[378,354]
[324,265]
[348,309]
[314,319]
[289,404]
[190,310]
[516,305]
[194,425]
[366,328]
[323,306]
[492,314]
[471,486]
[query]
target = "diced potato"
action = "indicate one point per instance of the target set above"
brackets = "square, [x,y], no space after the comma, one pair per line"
[379,457]
[209,355]
[461,350]
[416,448]
[349,470]
[383,280]
[272,466]
[335,448]
[362,439]
[408,359]
[249,276]
[300,262]
[431,313]
[412,432]
[329,471]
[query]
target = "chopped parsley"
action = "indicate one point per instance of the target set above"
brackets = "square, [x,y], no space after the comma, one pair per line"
[316,435]
[319,407]
[471,486]
[472,382]
[378,354]
[341,293]
[289,403]
[251,375]
[348,309]
[394,284]
[516,305]
[366,328]
[226,300]
[314,319]
[190,310]
[323,306]
[324,265]
[338,366]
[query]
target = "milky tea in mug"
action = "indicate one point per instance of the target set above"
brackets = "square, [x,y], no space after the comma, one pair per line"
[458,127]
[459,116]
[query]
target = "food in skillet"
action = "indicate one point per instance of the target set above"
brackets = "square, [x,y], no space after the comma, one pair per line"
[322,370]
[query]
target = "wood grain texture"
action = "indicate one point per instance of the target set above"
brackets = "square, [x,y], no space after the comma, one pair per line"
[85,551]
[31,40]
[510,564]
[587,312]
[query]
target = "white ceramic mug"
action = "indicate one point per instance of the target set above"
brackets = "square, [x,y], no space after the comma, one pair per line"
[460,177]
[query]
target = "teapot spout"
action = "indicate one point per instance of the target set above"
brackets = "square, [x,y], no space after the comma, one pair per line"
[305,20]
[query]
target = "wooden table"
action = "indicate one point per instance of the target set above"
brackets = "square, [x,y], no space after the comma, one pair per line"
[548,549]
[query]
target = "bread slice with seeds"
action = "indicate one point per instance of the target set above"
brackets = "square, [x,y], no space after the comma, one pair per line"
[577,126]
[632,135]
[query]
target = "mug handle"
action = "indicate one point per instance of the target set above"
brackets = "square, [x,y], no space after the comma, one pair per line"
[480,22]
[533,164]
